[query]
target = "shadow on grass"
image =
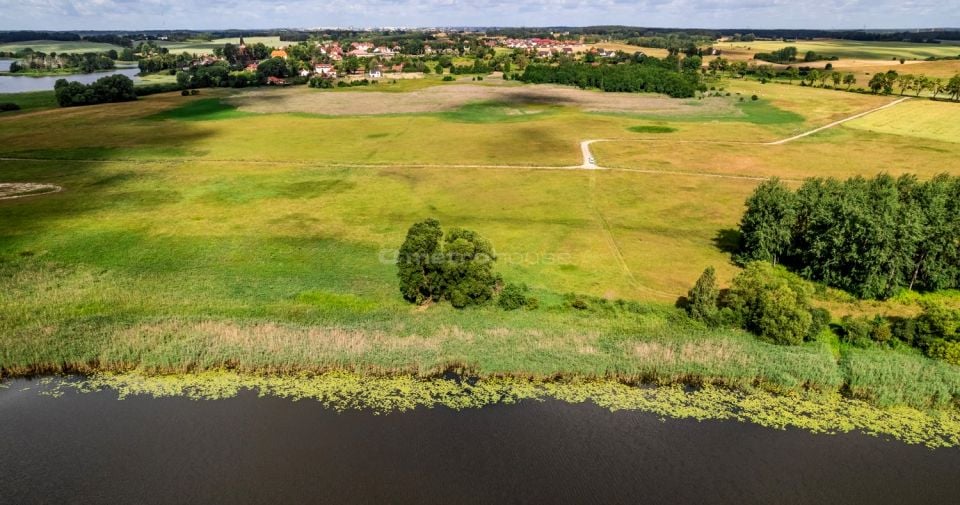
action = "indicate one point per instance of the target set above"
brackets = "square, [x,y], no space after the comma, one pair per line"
[727,240]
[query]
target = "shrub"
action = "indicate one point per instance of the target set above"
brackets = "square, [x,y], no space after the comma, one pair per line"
[944,350]
[855,331]
[754,98]
[513,297]
[448,78]
[185,92]
[8,106]
[820,320]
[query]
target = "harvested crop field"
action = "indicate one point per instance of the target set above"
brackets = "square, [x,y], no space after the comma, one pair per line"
[446,98]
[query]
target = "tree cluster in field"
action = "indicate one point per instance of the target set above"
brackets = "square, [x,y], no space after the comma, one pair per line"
[456,266]
[163,61]
[769,302]
[775,305]
[670,76]
[935,331]
[789,55]
[870,237]
[83,63]
[113,88]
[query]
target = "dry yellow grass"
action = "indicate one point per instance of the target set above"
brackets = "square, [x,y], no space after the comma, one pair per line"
[920,119]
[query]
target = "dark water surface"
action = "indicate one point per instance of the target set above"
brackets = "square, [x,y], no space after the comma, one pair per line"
[92,449]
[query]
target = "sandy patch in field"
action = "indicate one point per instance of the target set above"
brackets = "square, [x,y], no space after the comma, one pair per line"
[450,97]
[10,190]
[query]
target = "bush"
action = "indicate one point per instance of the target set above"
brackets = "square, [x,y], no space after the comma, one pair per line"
[513,297]
[855,331]
[448,78]
[944,350]
[185,92]
[772,304]
[8,106]
[153,89]
[820,320]
[754,98]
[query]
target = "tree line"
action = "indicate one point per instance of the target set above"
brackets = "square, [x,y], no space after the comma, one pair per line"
[870,237]
[83,63]
[650,75]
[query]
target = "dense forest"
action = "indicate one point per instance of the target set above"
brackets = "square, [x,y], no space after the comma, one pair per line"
[870,237]
[649,75]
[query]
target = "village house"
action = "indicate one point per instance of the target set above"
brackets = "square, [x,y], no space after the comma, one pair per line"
[375,72]
[276,81]
[278,53]
[325,70]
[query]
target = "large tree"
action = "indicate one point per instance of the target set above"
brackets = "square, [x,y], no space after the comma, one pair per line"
[766,226]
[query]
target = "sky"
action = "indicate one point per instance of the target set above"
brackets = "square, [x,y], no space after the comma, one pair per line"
[244,14]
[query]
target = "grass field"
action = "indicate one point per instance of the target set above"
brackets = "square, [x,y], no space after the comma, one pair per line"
[194,235]
[207,46]
[845,49]
[919,119]
[50,46]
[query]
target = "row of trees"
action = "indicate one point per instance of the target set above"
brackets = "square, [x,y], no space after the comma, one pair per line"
[113,88]
[83,63]
[871,237]
[886,82]
[789,55]
[651,75]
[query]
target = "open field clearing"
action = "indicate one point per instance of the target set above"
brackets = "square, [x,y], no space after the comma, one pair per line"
[56,46]
[921,119]
[449,97]
[207,47]
[845,49]
[627,48]
[191,234]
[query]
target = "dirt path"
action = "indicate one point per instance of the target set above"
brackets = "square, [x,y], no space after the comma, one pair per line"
[835,123]
[589,161]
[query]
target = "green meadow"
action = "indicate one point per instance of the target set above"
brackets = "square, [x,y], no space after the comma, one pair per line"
[850,49]
[192,235]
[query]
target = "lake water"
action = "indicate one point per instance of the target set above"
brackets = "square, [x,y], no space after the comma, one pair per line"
[91,448]
[20,84]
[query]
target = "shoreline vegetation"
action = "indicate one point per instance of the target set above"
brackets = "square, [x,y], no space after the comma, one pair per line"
[383,394]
